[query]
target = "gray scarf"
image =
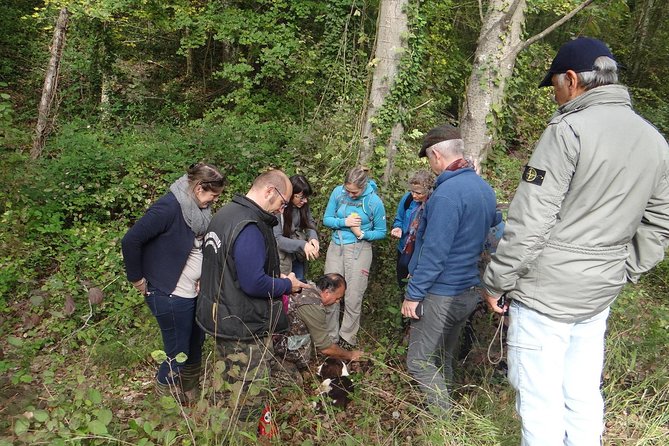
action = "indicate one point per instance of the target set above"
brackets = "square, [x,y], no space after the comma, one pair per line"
[196,218]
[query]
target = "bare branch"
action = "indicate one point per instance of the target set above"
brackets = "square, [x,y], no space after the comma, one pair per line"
[553,27]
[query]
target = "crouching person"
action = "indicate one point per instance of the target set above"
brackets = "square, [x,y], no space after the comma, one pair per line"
[308,327]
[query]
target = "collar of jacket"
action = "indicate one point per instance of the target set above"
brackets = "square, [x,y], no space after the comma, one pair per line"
[448,174]
[606,94]
[263,215]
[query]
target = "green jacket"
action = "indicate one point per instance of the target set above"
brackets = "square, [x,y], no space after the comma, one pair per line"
[591,210]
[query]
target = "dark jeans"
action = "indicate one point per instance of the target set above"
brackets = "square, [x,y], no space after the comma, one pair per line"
[402,269]
[299,268]
[181,334]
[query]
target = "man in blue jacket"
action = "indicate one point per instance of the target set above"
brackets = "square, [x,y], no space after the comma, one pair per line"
[442,291]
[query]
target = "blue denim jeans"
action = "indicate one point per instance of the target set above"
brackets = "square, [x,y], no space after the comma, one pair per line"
[433,340]
[299,268]
[556,369]
[180,332]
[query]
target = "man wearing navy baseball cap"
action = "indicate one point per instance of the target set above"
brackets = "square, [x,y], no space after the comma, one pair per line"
[590,213]
[577,55]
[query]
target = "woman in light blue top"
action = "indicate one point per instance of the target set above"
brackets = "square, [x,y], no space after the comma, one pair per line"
[356,215]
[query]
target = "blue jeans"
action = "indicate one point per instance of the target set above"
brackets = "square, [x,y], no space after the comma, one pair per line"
[299,268]
[181,334]
[556,369]
[433,340]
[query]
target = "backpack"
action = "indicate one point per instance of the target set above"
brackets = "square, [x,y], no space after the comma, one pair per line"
[408,201]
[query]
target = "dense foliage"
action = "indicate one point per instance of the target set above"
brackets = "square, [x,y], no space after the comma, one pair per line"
[149,86]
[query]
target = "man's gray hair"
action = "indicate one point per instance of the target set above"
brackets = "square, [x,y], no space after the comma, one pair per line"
[605,72]
[449,148]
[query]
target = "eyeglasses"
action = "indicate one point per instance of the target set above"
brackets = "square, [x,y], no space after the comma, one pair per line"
[303,198]
[417,192]
[284,202]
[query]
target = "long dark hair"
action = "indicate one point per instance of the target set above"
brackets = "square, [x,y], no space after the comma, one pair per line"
[300,185]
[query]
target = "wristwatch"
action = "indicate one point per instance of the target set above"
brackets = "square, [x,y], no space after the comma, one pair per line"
[362,234]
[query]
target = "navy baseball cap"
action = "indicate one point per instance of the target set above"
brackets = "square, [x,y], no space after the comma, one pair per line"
[578,55]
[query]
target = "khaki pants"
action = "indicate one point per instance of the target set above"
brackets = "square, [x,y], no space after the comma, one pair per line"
[351,261]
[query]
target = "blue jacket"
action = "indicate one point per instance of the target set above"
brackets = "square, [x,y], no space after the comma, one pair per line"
[158,245]
[451,236]
[368,205]
[404,217]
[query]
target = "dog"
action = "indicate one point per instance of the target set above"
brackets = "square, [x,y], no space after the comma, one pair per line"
[336,384]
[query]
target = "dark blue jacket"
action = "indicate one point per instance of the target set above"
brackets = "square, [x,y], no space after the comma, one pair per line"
[451,235]
[158,245]
[403,218]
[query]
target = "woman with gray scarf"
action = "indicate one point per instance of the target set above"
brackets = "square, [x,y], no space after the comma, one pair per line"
[163,260]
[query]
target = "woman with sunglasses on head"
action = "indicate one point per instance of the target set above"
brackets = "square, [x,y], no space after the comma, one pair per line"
[163,260]
[356,215]
[296,233]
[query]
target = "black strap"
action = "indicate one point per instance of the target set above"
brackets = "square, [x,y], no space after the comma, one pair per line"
[408,201]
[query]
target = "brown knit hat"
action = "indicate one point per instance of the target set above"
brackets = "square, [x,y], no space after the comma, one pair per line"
[444,132]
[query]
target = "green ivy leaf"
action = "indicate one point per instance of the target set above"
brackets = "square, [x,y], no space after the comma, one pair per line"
[95,396]
[14,341]
[159,356]
[41,415]
[97,427]
[104,416]
[21,426]
[148,427]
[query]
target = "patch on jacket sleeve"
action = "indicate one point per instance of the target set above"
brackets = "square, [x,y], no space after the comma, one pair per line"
[534,176]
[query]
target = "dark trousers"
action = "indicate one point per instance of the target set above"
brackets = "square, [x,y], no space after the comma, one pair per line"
[299,268]
[180,332]
[402,269]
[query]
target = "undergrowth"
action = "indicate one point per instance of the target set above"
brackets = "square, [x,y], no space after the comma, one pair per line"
[76,373]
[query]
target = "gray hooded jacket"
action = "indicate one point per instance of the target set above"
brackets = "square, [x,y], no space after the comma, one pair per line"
[591,211]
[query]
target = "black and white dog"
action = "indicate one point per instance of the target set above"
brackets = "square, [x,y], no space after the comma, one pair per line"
[336,384]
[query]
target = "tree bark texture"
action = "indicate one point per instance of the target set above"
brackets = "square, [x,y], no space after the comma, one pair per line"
[498,47]
[390,46]
[50,84]
[494,60]
[642,32]
[391,151]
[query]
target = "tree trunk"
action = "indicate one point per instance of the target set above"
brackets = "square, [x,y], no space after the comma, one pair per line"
[498,47]
[642,32]
[494,60]
[390,45]
[105,89]
[50,84]
[391,151]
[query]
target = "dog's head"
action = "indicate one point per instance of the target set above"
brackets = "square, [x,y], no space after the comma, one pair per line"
[332,368]
[336,383]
